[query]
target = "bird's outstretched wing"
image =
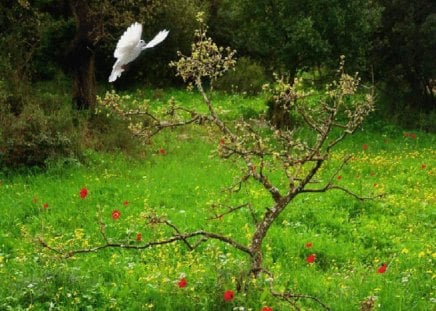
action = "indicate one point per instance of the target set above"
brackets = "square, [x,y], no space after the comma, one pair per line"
[157,39]
[129,47]
[128,40]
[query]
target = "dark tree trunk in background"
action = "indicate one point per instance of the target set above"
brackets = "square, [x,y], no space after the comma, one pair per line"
[278,114]
[81,56]
[279,111]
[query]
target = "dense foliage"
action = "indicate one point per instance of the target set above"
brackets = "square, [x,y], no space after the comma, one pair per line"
[397,37]
[295,35]
[72,41]
[47,29]
[404,50]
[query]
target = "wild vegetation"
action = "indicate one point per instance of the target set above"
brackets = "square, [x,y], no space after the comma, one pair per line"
[180,177]
[391,41]
[268,187]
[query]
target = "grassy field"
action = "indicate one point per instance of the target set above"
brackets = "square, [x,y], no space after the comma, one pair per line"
[180,176]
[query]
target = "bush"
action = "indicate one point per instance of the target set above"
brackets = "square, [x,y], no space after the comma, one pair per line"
[109,133]
[399,109]
[248,78]
[30,135]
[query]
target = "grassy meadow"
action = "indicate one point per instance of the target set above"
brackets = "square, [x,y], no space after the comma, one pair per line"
[179,175]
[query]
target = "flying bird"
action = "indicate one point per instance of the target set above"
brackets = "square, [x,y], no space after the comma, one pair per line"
[130,46]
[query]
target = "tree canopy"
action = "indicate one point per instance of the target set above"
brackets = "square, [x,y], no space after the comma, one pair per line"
[394,38]
[404,51]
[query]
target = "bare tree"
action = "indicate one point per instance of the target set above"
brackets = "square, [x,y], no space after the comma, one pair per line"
[297,158]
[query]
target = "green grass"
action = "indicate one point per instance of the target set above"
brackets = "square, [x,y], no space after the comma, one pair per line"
[350,238]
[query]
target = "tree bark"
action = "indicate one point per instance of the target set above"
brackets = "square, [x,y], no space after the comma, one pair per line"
[81,57]
[262,229]
[279,111]
[279,114]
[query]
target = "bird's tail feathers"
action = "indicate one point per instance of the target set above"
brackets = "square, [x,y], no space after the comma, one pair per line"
[117,69]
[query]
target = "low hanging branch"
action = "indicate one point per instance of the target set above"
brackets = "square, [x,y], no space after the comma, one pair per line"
[155,220]
[146,124]
[297,160]
[179,236]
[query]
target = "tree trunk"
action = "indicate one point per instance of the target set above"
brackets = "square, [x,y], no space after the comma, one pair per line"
[279,111]
[279,114]
[81,57]
[262,229]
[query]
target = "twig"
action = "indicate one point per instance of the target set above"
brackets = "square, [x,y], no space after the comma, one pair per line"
[45,245]
[233,209]
[291,298]
[102,228]
[332,187]
[236,187]
[164,125]
[178,232]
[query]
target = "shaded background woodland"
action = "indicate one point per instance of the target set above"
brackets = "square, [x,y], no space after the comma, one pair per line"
[62,51]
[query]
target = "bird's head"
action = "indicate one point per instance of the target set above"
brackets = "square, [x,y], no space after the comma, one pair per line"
[141,43]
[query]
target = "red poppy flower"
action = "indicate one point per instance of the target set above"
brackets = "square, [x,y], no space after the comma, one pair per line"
[413,136]
[116,214]
[365,147]
[423,166]
[229,295]
[182,283]
[339,177]
[34,200]
[222,141]
[83,193]
[309,244]
[162,151]
[311,258]
[406,134]
[139,237]
[125,203]
[45,205]
[267,309]
[382,268]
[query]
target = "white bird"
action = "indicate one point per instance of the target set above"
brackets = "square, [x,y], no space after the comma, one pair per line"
[130,46]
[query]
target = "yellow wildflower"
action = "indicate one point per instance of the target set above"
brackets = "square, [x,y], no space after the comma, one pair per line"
[78,233]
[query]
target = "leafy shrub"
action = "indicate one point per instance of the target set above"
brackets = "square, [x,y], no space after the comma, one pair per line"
[248,77]
[400,110]
[111,133]
[30,135]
